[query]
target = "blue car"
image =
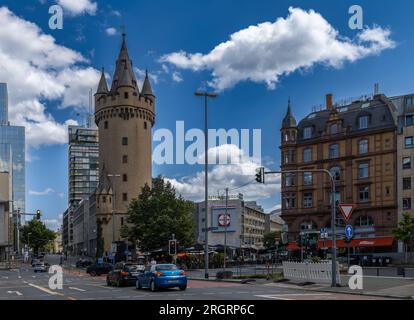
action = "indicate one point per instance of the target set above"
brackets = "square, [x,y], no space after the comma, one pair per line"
[160,276]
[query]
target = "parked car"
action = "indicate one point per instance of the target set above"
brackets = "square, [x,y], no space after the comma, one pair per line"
[41,267]
[123,274]
[162,276]
[34,262]
[98,269]
[82,263]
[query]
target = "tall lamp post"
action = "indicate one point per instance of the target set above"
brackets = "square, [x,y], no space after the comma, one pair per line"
[113,206]
[206,95]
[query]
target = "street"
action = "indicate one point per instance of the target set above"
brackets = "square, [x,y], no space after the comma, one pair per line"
[24,284]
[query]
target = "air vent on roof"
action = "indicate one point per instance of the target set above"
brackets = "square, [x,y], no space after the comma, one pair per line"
[312,116]
[344,109]
[365,105]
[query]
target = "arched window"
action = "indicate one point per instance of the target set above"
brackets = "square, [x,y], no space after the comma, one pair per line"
[363,146]
[336,172]
[334,128]
[334,151]
[364,221]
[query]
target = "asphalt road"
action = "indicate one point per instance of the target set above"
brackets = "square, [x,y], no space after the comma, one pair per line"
[24,284]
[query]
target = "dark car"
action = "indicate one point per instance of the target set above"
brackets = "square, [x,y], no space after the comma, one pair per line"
[99,269]
[123,274]
[162,276]
[82,263]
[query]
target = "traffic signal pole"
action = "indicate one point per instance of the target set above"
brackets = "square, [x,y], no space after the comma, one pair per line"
[260,178]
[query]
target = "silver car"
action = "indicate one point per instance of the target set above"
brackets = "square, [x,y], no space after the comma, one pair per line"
[41,267]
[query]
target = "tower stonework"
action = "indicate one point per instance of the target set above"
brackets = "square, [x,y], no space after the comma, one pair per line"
[125,116]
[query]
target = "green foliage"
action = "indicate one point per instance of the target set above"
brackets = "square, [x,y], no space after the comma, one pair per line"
[36,235]
[405,229]
[269,239]
[316,259]
[158,213]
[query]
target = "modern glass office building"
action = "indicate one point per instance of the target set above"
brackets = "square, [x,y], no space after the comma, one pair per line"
[83,162]
[13,151]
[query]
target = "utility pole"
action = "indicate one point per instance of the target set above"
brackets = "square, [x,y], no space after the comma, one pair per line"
[206,95]
[333,210]
[225,229]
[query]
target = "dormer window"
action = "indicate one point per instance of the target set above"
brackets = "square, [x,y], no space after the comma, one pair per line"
[334,128]
[307,133]
[363,122]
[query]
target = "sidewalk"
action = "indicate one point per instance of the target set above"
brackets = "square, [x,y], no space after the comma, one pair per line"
[373,286]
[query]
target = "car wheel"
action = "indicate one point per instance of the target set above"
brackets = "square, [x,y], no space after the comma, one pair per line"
[153,287]
[93,273]
[138,285]
[183,287]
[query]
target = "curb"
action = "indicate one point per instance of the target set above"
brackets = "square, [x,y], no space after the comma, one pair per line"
[216,280]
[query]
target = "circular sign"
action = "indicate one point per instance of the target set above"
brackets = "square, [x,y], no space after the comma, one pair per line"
[224,220]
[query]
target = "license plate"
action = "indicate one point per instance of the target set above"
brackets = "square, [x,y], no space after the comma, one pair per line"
[134,274]
[172,281]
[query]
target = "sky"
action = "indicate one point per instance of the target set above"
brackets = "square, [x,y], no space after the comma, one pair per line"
[254,54]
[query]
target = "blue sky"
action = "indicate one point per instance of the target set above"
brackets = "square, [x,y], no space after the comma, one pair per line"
[156,29]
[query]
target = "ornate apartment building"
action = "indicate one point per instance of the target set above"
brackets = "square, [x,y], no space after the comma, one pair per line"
[357,143]
[125,115]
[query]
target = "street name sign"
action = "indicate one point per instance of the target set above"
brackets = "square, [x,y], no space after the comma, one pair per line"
[346,210]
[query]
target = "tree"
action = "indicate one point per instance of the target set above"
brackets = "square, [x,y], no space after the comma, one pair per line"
[269,239]
[404,233]
[158,213]
[35,235]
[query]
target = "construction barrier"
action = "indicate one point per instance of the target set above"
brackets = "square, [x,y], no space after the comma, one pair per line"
[310,272]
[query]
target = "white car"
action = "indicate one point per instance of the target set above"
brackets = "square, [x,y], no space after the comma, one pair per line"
[41,267]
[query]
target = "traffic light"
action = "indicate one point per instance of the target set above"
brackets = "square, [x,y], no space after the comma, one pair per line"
[172,247]
[260,175]
[38,214]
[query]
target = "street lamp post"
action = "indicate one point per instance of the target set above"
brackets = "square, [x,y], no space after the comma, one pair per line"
[333,212]
[206,95]
[113,206]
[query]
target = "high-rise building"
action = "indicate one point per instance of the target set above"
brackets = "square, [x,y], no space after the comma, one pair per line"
[14,136]
[125,116]
[357,144]
[83,153]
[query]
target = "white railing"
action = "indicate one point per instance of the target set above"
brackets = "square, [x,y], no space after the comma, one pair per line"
[310,272]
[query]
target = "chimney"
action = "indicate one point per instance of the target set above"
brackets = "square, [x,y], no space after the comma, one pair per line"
[329,101]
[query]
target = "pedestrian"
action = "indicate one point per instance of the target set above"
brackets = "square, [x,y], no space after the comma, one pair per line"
[61,260]
[153,262]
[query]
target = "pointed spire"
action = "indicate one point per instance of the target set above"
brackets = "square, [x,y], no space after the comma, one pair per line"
[102,87]
[289,121]
[124,73]
[146,88]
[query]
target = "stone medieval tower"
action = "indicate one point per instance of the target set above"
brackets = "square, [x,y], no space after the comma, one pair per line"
[125,116]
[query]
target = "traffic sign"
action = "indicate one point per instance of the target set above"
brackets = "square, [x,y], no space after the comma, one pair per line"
[346,210]
[349,231]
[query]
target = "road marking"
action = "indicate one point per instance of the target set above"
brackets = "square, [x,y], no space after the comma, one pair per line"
[71,298]
[286,295]
[33,277]
[16,292]
[77,289]
[5,277]
[45,290]
[272,297]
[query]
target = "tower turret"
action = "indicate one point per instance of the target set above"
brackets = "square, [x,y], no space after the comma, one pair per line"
[289,126]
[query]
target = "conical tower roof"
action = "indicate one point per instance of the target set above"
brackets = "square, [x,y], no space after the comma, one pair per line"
[146,87]
[103,86]
[289,121]
[124,73]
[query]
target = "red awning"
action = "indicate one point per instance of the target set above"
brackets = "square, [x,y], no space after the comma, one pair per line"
[361,243]
[292,246]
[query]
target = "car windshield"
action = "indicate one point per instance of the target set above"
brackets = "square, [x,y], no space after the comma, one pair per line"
[166,267]
[131,268]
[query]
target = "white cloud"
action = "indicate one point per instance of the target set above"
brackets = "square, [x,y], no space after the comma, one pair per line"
[110,31]
[52,224]
[46,192]
[265,52]
[79,7]
[238,177]
[176,76]
[39,71]
[154,76]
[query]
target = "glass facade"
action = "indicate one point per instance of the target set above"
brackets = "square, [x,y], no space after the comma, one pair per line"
[83,163]
[13,152]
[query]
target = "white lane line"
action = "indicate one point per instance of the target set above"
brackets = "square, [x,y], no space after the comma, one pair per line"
[77,289]
[45,290]
[272,297]
[16,292]
[5,277]
[33,277]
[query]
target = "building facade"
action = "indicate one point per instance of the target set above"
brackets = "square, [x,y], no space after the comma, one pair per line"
[6,233]
[125,115]
[357,144]
[405,155]
[84,228]
[83,156]
[14,136]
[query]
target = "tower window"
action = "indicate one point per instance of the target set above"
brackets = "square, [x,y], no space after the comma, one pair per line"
[125,197]
[124,141]
[145,125]
[122,221]
[126,95]
[103,199]
[124,177]
[124,159]
[106,125]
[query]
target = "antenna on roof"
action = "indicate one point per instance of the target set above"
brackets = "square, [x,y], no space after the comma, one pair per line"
[376,89]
